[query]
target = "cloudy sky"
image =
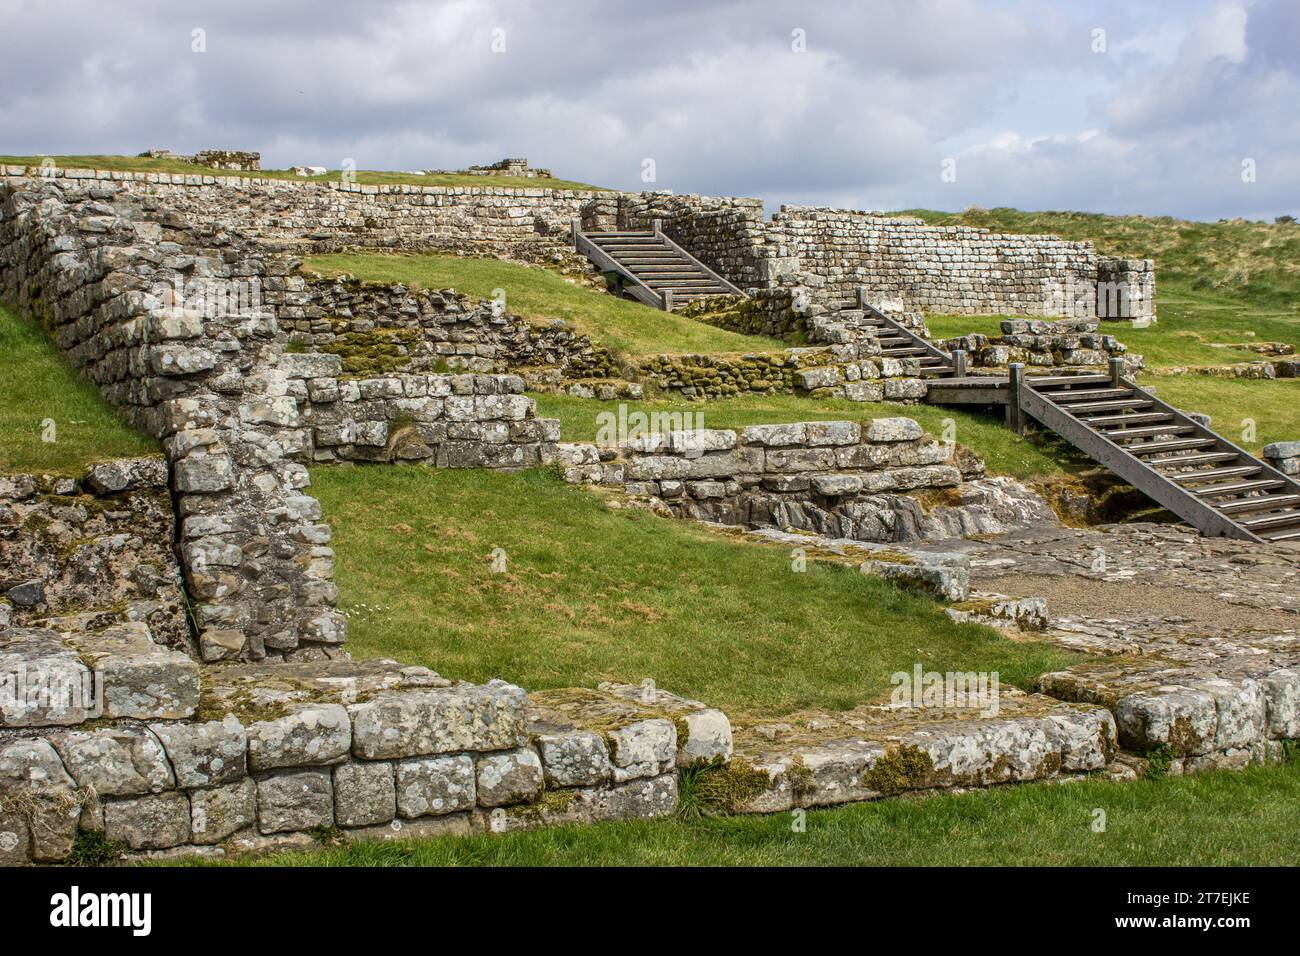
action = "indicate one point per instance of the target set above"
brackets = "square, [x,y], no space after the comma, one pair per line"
[1184,107]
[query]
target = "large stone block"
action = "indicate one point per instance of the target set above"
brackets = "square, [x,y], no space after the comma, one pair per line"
[645,748]
[415,723]
[364,794]
[116,761]
[577,758]
[218,813]
[35,787]
[311,736]
[431,786]
[205,754]
[295,800]
[153,822]
[1182,719]
[893,429]
[507,778]
[43,682]
[140,678]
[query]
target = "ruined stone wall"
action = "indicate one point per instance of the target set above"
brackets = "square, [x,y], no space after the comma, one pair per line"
[255,758]
[938,269]
[882,480]
[726,234]
[383,328]
[1126,289]
[1043,344]
[98,264]
[527,223]
[77,553]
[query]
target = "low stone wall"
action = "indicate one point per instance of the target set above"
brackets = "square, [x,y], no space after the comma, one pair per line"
[381,328]
[1035,342]
[261,758]
[1126,289]
[881,480]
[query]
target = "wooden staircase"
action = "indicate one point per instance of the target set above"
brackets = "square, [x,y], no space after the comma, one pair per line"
[650,267]
[1194,472]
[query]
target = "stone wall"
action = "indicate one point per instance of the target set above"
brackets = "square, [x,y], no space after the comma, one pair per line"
[100,265]
[1039,343]
[94,551]
[254,758]
[881,480]
[1126,289]
[939,269]
[381,328]
[527,223]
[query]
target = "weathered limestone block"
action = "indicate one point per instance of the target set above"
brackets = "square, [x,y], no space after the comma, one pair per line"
[703,732]
[946,575]
[645,799]
[893,429]
[39,802]
[311,736]
[507,778]
[116,761]
[432,786]
[577,758]
[364,794]
[205,754]
[140,678]
[43,682]
[1086,739]
[773,436]
[153,822]
[204,473]
[836,485]
[1282,701]
[218,813]
[295,800]
[1180,718]
[833,433]
[1240,710]
[126,474]
[413,723]
[646,748]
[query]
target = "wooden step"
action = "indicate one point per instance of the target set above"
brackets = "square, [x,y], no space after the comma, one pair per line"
[1260,503]
[1123,434]
[1239,487]
[1183,461]
[1052,382]
[1177,444]
[1137,418]
[1283,519]
[1112,406]
[1215,474]
[1070,396]
[1282,534]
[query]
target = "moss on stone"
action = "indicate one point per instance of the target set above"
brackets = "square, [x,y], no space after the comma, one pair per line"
[906,768]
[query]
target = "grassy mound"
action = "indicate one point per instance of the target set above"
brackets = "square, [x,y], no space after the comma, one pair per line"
[627,328]
[51,420]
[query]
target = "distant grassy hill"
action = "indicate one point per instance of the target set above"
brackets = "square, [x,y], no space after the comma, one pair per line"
[1255,262]
[367,177]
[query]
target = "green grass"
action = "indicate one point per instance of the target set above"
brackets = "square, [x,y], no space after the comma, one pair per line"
[1215,819]
[40,387]
[627,328]
[366,177]
[594,593]
[1003,452]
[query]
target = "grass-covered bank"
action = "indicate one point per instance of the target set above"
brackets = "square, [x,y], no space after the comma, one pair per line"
[1216,819]
[593,593]
[627,328]
[51,420]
